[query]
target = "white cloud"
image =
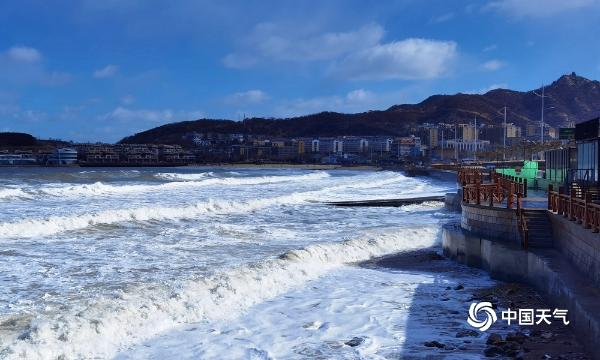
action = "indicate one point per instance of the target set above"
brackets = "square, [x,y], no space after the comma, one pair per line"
[354,101]
[127,100]
[123,114]
[492,65]
[250,97]
[539,8]
[407,59]
[22,65]
[106,72]
[24,54]
[488,88]
[277,42]
[57,78]
[443,18]
[489,48]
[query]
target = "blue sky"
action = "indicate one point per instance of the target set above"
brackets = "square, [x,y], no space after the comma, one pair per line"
[93,70]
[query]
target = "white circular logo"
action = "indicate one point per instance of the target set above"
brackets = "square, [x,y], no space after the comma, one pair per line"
[490,315]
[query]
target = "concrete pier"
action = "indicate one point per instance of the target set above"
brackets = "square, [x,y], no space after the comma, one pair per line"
[388,202]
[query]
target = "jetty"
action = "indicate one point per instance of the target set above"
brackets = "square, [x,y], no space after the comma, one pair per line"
[387,202]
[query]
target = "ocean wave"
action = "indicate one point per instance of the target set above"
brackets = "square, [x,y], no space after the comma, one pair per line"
[57,224]
[14,193]
[100,328]
[104,189]
[184,177]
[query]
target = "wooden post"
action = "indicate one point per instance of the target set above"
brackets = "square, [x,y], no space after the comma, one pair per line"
[524,187]
[571,207]
[586,220]
[561,209]
[478,191]
[550,205]
[511,191]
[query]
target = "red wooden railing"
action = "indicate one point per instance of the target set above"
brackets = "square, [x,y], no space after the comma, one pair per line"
[496,191]
[500,188]
[581,210]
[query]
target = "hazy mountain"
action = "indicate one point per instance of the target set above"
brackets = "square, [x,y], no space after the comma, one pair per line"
[570,98]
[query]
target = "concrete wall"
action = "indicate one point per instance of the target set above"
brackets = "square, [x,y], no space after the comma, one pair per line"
[581,246]
[546,270]
[491,222]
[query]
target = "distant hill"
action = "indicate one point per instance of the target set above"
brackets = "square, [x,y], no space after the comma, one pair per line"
[570,98]
[15,139]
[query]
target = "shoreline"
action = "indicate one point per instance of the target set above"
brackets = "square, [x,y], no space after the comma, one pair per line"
[291,166]
[501,340]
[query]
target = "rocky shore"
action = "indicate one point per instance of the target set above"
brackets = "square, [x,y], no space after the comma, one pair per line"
[555,341]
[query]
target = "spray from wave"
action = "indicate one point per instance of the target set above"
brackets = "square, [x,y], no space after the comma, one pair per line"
[101,328]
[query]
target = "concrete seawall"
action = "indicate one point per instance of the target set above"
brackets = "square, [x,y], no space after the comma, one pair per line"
[491,222]
[547,270]
[579,245]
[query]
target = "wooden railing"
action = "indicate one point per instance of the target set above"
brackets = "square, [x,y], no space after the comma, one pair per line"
[499,189]
[581,210]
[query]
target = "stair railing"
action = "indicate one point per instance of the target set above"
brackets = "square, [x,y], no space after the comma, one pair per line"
[522,222]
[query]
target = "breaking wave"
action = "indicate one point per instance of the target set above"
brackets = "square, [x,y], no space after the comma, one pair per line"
[57,224]
[100,328]
[103,189]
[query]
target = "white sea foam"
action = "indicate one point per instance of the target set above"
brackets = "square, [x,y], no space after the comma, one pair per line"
[13,193]
[100,328]
[103,189]
[57,224]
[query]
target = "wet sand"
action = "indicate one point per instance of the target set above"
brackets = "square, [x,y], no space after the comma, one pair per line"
[554,341]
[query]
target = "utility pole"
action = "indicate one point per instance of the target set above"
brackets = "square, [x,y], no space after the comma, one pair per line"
[442,144]
[456,142]
[504,149]
[543,96]
[475,151]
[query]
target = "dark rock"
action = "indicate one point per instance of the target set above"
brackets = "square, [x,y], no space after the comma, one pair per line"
[355,341]
[467,333]
[535,332]
[494,339]
[518,337]
[492,351]
[434,343]
[459,287]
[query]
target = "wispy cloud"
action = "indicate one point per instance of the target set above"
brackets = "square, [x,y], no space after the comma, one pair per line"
[106,72]
[24,54]
[23,65]
[408,59]
[492,65]
[279,42]
[357,100]
[250,97]
[489,48]
[539,8]
[443,18]
[123,114]
[488,88]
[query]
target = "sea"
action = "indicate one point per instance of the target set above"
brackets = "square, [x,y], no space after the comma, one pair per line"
[216,263]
